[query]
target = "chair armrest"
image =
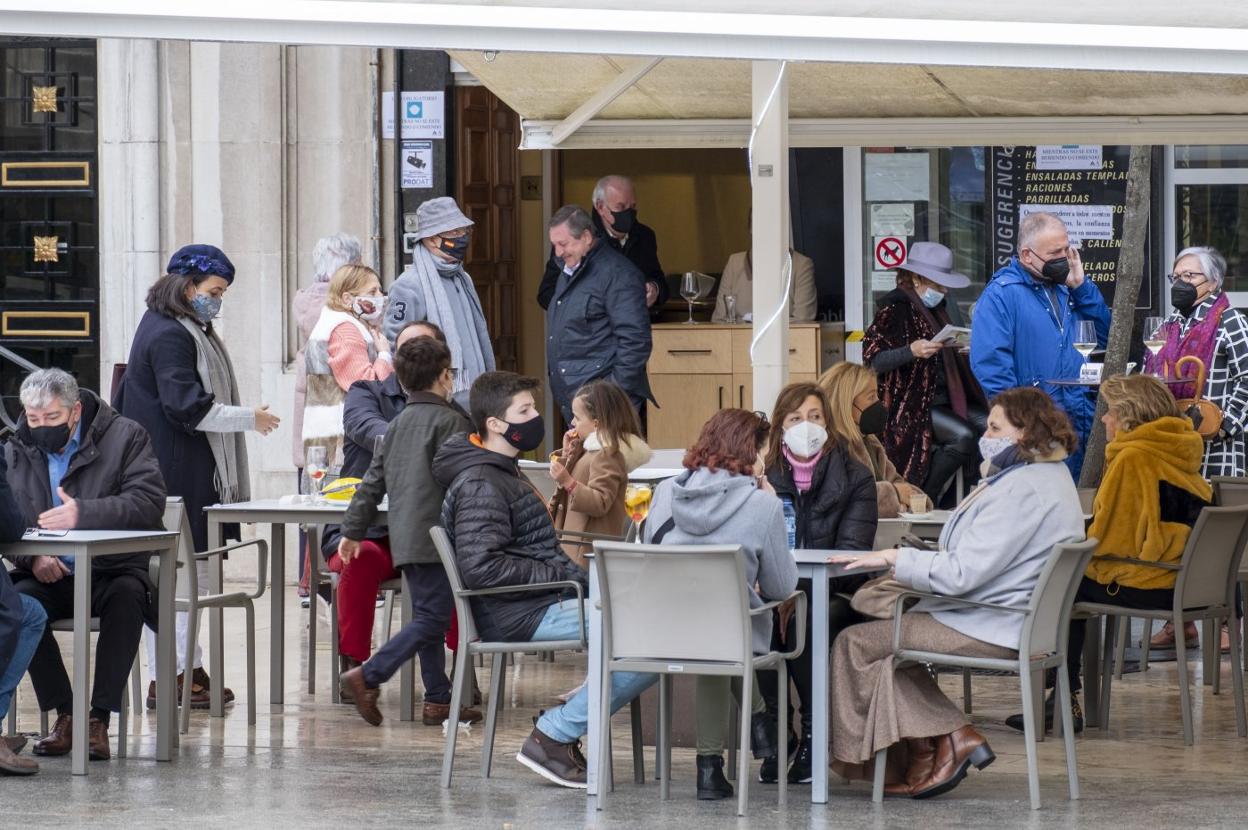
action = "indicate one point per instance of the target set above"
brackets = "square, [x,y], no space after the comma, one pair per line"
[1164,566]
[799,614]
[262,551]
[539,586]
[970,603]
[586,536]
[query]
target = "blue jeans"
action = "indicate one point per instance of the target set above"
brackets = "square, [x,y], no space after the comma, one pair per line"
[33,620]
[571,720]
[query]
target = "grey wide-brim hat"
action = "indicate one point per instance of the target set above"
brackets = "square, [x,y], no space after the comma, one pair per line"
[934,261]
[438,216]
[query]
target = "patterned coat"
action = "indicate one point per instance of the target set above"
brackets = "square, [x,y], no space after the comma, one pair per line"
[1226,385]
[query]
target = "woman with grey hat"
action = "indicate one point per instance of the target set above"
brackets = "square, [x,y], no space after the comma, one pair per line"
[936,408]
[437,288]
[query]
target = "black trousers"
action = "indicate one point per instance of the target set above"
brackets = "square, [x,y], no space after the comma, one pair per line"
[1092,591]
[840,617]
[430,595]
[955,446]
[122,602]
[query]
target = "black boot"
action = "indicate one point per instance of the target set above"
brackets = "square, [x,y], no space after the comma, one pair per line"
[799,770]
[762,735]
[1076,711]
[712,785]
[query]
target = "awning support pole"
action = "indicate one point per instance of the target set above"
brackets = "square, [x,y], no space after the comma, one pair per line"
[769,179]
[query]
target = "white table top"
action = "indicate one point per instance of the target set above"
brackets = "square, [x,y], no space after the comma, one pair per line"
[92,542]
[287,504]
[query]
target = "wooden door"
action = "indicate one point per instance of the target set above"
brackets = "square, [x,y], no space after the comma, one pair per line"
[486,186]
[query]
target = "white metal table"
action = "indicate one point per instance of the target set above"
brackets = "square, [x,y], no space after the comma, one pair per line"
[277,513]
[812,565]
[84,546]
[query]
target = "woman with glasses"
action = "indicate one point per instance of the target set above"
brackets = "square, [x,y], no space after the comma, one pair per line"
[1204,325]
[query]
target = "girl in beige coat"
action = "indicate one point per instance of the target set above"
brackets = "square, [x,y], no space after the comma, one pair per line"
[602,448]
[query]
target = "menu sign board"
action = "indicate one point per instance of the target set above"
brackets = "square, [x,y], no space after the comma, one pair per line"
[1086,185]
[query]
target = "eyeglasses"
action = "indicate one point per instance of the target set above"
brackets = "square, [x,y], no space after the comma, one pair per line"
[1189,277]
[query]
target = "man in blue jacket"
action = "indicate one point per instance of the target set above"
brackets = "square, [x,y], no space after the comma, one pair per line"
[1023,333]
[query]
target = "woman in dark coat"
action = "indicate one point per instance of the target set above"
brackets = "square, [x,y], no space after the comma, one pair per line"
[829,499]
[179,384]
[936,408]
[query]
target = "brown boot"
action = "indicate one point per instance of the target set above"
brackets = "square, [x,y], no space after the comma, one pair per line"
[202,686]
[364,698]
[432,714]
[11,764]
[921,755]
[955,753]
[97,741]
[346,664]
[60,740]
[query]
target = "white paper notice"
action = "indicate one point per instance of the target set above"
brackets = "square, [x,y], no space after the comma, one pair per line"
[883,280]
[897,177]
[417,164]
[1068,157]
[423,115]
[1082,221]
[892,219]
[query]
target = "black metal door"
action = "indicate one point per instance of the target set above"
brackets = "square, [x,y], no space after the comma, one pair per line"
[49,240]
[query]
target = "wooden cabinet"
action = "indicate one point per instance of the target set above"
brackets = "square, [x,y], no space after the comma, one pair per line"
[697,370]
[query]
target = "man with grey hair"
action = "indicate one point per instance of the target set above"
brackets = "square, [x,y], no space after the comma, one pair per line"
[597,326]
[76,464]
[615,221]
[1024,327]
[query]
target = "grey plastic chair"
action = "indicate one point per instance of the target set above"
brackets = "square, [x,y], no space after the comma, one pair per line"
[653,623]
[1204,589]
[1233,492]
[188,558]
[1046,626]
[471,645]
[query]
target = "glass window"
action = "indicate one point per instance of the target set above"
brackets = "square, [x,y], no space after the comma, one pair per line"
[1216,215]
[1190,156]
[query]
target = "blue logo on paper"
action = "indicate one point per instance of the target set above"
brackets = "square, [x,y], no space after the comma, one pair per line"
[415,109]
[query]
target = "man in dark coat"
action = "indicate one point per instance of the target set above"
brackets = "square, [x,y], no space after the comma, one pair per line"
[615,222]
[75,464]
[597,326]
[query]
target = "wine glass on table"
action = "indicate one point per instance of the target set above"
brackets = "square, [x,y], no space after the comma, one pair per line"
[637,501]
[690,290]
[317,465]
[1085,337]
[1154,336]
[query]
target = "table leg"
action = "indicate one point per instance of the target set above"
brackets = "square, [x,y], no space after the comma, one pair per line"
[216,636]
[819,685]
[166,653]
[1092,672]
[594,681]
[82,659]
[277,606]
[314,589]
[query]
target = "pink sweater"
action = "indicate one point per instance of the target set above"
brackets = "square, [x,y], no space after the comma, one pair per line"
[803,471]
[348,358]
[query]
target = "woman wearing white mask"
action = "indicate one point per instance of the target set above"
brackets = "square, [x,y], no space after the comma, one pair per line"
[830,504]
[346,345]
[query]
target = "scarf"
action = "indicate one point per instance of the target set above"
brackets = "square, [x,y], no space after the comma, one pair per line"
[229,449]
[1199,341]
[431,275]
[938,318]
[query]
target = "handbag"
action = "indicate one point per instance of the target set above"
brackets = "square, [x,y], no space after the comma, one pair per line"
[1205,415]
[878,597]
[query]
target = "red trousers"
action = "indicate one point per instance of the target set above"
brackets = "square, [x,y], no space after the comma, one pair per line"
[358,584]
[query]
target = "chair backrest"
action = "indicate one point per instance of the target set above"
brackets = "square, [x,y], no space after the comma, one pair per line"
[463,608]
[674,602]
[1048,615]
[1229,491]
[177,520]
[1210,563]
[1087,495]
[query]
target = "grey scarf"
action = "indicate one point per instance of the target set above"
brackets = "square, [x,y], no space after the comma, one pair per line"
[229,449]
[467,355]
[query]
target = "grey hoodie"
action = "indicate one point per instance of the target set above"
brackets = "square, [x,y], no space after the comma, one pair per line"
[715,507]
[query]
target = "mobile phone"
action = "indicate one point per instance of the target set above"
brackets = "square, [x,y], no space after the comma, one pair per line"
[39,531]
[912,541]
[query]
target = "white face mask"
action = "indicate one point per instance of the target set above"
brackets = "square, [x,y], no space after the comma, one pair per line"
[931,297]
[369,309]
[805,438]
[990,448]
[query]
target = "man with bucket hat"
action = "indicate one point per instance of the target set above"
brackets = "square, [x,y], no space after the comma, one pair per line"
[436,287]
[936,408]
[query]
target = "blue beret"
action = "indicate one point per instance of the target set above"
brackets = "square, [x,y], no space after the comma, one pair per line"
[197,260]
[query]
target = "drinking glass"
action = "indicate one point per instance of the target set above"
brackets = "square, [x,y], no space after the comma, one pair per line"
[1085,337]
[730,308]
[317,465]
[689,289]
[637,501]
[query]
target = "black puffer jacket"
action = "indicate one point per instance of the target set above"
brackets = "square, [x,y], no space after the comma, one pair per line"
[502,536]
[838,512]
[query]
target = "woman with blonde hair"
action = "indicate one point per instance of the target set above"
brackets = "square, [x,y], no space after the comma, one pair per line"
[346,345]
[858,419]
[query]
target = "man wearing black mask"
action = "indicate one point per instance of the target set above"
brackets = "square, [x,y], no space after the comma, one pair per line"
[1023,331]
[615,221]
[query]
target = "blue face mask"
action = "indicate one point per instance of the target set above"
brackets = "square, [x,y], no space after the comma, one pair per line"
[206,307]
[931,297]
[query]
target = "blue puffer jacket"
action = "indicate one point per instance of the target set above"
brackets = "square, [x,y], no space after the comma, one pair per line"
[1016,340]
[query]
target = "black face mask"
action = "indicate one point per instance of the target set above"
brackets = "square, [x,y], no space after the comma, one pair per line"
[526,436]
[456,248]
[1183,296]
[873,419]
[622,221]
[1056,270]
[50,439]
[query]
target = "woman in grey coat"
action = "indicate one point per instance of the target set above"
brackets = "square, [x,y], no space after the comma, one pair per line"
[719,499]
[992,551]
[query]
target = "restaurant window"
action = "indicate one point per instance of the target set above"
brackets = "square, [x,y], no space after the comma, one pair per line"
[1211,206]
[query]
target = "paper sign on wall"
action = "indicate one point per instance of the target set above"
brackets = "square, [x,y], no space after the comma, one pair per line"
[424,115]
[1082,221]
[417,164]
[892,219]
[883,280]
[1068,157]
[897,177]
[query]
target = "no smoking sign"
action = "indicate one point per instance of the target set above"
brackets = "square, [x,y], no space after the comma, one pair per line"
[890,251]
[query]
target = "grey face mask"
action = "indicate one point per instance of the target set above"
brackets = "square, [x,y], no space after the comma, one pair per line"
[206,307]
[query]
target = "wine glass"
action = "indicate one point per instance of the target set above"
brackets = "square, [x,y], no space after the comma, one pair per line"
[1154,335]
[637,501]
[317,465]
[1085,337]
[690,290]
